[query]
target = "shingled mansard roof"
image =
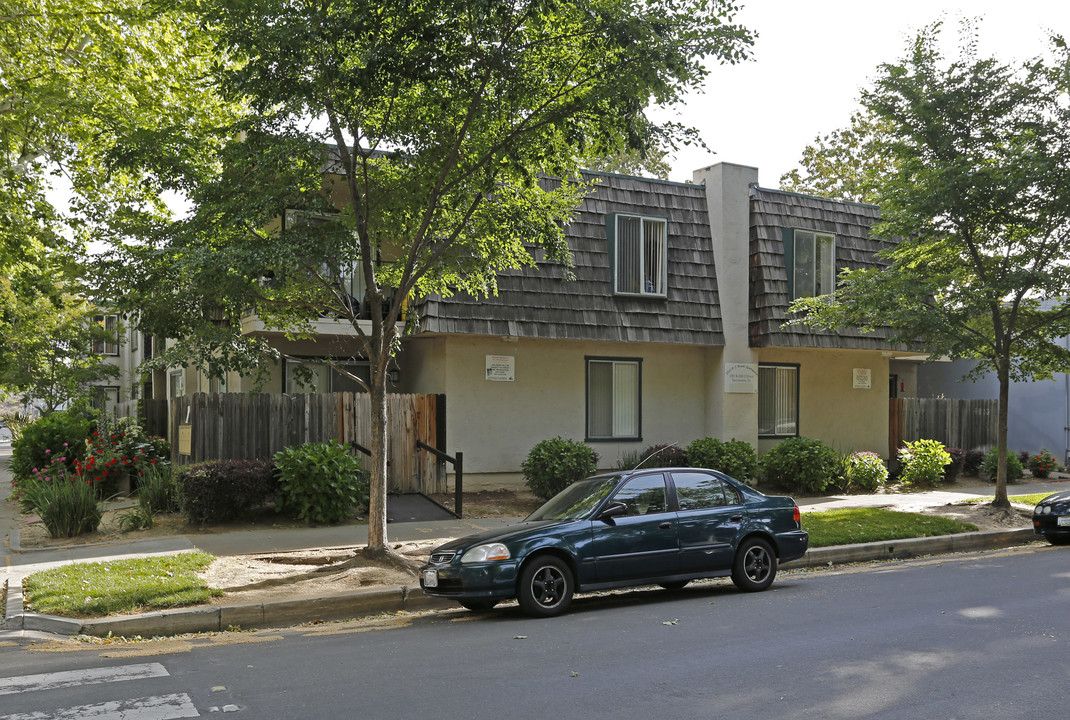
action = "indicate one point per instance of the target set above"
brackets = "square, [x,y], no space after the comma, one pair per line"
[537,302]
[773,211]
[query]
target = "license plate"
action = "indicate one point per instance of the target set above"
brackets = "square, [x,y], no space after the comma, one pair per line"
[430,578]
[1063,521]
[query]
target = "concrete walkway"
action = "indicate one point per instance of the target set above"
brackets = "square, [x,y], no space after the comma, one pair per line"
[17,562]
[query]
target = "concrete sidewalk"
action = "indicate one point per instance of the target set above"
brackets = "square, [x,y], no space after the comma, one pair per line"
[16,562]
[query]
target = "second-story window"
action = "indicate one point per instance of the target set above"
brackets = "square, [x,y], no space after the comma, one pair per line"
[811,262]
[107,346]
[640,253]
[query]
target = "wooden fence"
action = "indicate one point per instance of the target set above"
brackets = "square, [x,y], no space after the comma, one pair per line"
[236,426]
[150,413]
[966,424]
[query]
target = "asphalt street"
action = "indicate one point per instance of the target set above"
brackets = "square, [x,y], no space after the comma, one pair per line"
[983,635]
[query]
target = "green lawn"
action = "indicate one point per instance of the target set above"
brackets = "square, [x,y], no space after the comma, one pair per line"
[118,586]
[1023,499]
[860,525]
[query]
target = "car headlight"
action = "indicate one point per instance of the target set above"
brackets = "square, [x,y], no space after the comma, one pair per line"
[486,553]
[1046,509]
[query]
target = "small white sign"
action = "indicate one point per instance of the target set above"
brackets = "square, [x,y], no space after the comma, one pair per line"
[501,368]
[741,377]
[863,378]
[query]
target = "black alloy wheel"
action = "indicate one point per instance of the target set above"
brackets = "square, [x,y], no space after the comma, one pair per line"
[755,565]
[545,587]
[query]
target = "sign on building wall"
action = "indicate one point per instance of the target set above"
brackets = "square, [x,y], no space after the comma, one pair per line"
[501,368]
[741,377]
[863,378]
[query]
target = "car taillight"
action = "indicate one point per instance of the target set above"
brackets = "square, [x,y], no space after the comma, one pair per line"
[797,516]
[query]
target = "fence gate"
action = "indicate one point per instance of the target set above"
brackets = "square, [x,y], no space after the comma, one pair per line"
[236,426]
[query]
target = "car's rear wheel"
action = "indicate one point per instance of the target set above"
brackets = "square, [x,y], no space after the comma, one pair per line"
[675,585]
[755,565]
[545,587]
[478,605]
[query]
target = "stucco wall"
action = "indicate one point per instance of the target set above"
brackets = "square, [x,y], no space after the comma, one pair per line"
[830,408]
[496,423]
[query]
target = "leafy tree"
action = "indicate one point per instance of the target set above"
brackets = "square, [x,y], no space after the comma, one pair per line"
[846,164]
[980,194]
[50,341]
[414,134]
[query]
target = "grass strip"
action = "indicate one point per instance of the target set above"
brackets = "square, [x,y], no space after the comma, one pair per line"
[119,586]
[1023,499]
[861,525]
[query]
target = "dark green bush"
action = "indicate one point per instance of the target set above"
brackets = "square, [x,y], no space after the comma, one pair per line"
[223,490]
[800,465]
[553,465]
[990,466]
[954,468]
[64,432]
[320,482]
[971,464]
[735,458]
[661,456]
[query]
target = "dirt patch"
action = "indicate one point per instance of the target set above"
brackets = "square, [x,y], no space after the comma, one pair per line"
[984,516]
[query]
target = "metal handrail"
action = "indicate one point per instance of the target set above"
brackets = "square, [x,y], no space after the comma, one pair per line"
[458,469]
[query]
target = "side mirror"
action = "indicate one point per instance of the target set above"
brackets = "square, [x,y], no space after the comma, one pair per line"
[613,510]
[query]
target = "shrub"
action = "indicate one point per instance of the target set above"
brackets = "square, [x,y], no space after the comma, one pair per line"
[990,466]
[800,464]
[664,456]
[1042,464]
[223,490]
[735,458]
[866,470]
[156,491]
[923,462]
[553,465]
[63,432]
[320,482]
[841,478]
[953,468]
[971,464]
[66,504]
[118,451]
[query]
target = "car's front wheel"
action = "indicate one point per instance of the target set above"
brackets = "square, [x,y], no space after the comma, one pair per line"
[755,565]
[546,587]
[479,604]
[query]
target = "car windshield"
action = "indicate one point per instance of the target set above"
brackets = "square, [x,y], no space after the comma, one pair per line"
[577,500]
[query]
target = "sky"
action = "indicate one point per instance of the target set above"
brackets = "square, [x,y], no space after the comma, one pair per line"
[811,59]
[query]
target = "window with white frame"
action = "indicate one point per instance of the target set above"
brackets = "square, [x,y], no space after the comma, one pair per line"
[640,254]
[613,398]
[176,384]
[811,262]
[352,281]
[312,376]
[778,400]
[111,324]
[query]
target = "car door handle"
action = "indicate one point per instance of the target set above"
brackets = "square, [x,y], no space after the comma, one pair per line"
[736,518]
[666,525]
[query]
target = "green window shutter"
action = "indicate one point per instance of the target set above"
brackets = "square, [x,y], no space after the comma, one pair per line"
[788,234]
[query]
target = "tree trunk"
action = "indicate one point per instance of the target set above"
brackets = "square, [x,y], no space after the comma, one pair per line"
[377,504]
[1000,500]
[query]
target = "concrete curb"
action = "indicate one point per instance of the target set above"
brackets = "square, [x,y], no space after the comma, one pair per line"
[284,613]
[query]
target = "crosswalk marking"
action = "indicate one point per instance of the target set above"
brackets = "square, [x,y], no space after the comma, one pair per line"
[49,681]
[161,707]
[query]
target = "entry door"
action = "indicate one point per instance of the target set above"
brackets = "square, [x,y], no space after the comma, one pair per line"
[643,543]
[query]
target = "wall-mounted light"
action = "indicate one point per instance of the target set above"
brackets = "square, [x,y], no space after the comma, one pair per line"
[393,375]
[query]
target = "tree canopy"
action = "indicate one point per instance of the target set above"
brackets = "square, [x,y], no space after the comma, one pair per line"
[411,143]
[979,193]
